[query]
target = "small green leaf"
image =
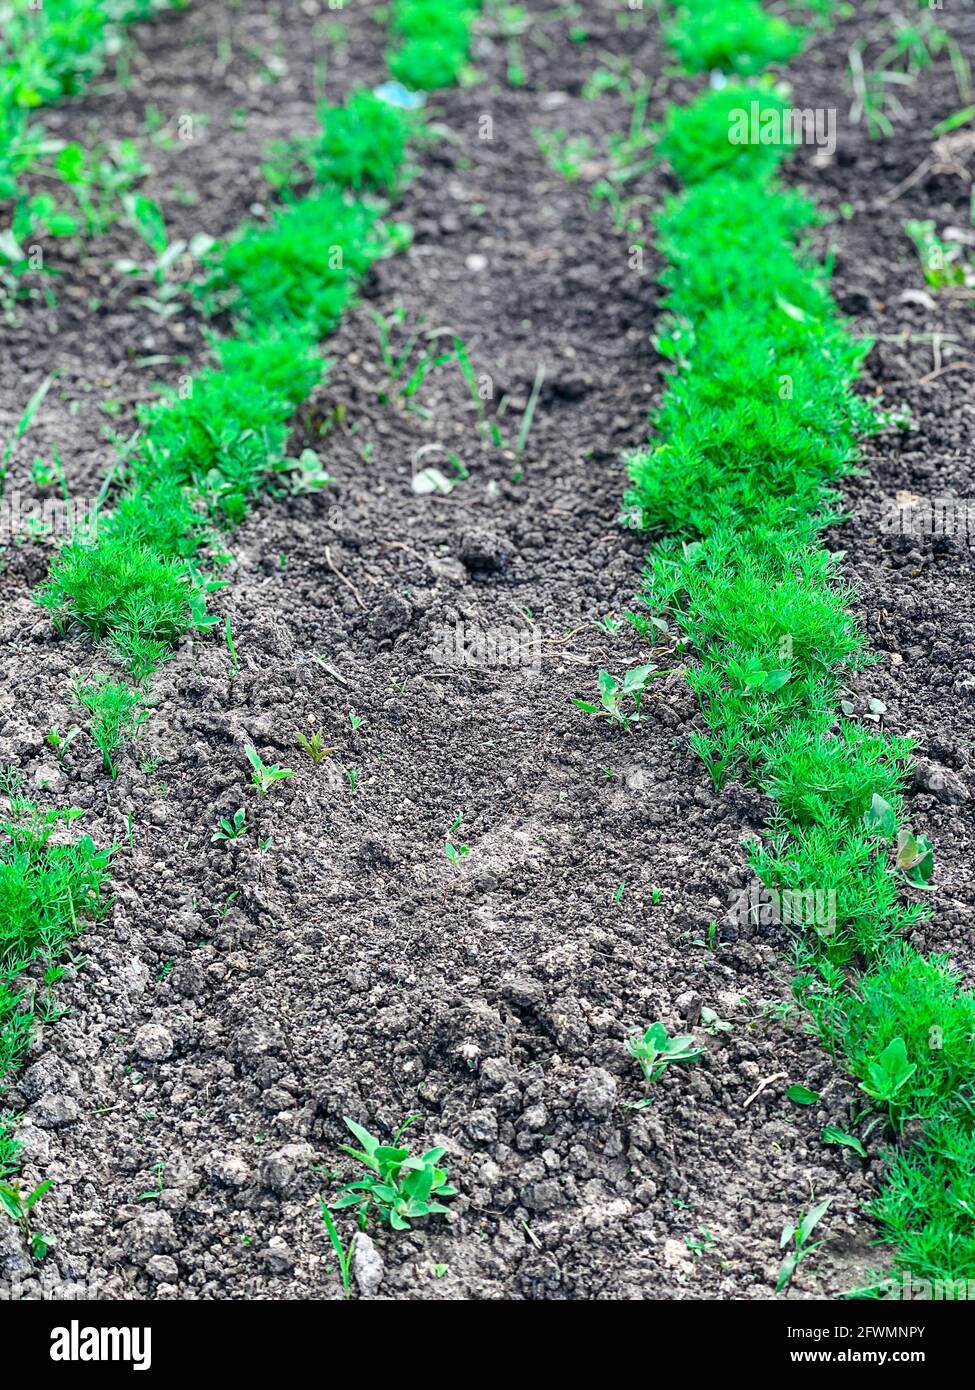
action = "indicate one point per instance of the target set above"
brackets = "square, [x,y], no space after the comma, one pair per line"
[880,817]
[812,1219]
[832,1135]
[786,1271]
[368,1141]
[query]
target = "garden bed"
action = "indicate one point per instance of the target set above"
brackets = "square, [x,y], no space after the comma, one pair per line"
[238,1002]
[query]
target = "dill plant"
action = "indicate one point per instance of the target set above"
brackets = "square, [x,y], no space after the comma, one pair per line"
[362,144]
[930,1190]
[47,889]
[734,35]
[135,581]
[128,595]
[760,420]
[116,713]
[693,139]
[432,38]
[300,270]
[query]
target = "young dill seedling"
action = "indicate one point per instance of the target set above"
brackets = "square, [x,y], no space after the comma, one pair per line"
[362,146]
[231,829]
[117,713]
[737,36]
[127,592]
[11,781]
[432,42]
[158,1170]
[264,777]
[397,1187]
[301,268]
[314,746]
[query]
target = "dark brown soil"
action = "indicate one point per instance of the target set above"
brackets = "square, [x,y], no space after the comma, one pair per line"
[238,1002]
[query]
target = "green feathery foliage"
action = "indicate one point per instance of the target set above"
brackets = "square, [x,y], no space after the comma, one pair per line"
[731,35]
[433,37]
[761,418]
[47,889]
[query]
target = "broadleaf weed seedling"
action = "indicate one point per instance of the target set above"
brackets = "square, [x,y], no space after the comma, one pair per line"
[398,1187]
[889,1073]
[303,475]
[656,1050]
[264,777]
[314,746]
[228,829]
[612,693]
[915,858]
[18,1206]
[832,1134]
[712,1022]
[60,741]
[798,1237]
[454,852]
